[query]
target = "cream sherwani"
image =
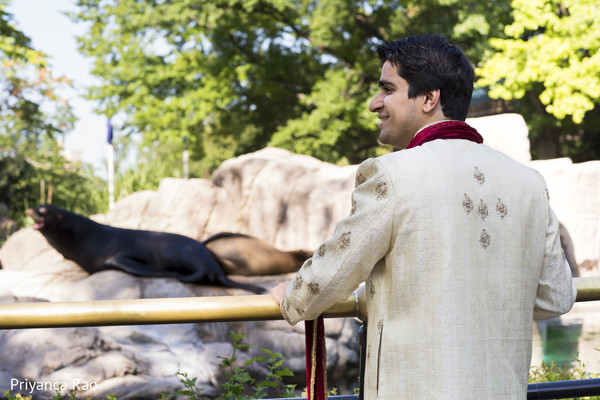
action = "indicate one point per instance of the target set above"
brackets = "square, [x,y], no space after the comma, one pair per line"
[460,252]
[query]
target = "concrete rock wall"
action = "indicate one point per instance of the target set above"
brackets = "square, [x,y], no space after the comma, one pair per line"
[575,198]
[270,194]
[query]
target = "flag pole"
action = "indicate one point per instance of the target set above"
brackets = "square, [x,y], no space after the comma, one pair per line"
[111,166]
[186,157]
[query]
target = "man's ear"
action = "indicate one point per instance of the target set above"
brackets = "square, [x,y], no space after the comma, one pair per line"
[431,100]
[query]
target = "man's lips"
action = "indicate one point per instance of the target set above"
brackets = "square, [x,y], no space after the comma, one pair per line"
[383,119]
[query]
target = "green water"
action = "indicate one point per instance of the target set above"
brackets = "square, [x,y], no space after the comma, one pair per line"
[560,341]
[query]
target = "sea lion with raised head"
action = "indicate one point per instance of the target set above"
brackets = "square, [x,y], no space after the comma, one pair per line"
[246,255]
[96,247]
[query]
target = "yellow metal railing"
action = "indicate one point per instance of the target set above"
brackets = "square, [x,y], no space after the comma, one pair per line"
[157,311]
[186,310]
[588,288]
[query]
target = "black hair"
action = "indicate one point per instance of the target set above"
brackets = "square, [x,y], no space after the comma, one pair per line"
[429,62]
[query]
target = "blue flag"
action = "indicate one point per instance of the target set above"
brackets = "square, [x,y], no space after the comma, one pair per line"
[110,131]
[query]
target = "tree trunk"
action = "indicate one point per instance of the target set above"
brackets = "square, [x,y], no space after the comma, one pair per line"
[547,145]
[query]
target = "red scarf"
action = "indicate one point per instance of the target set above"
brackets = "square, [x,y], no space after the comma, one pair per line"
[316,360]
[446,130]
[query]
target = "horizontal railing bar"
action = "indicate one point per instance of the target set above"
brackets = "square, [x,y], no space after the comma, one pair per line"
[588,288]
[535,391]
[152,311]
[340,397]
[563,389]
[186,310]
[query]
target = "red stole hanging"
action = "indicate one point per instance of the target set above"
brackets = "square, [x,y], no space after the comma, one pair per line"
[316,360]
[446,130]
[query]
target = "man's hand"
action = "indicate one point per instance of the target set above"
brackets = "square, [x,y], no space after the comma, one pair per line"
[278,291]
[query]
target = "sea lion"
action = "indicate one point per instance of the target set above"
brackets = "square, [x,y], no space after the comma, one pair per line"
[246,255]
[568,248]
[96,247]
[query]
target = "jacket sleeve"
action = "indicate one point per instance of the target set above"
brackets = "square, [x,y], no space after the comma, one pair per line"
[556,291]
[359,241]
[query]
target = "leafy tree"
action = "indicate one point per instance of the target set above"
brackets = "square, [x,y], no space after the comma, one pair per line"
[32,117]
[153,163]
[236,75]
[550,63]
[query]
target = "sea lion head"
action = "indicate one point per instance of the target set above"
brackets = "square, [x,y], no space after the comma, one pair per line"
[42,216]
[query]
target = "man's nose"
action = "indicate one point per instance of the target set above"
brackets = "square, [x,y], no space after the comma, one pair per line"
[376,103]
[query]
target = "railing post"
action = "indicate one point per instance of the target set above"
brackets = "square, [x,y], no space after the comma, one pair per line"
[362,341]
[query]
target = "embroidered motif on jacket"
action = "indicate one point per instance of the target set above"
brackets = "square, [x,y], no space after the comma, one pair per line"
[479,176]
[354,207]
[381,190]
[313,288]
[360,179]
[298,281]
[501,208]
[467,204]
[320,251]
[482,210]
[344,240]
[285,304]
[484,239]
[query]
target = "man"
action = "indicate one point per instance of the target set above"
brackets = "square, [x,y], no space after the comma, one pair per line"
[457,243]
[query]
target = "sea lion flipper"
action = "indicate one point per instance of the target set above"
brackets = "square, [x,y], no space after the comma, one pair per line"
[205,265]
[221,235]
[209,266]
[225,281]
[132,266]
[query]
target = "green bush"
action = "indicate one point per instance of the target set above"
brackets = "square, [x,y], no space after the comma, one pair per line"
[552,373]
[241,386]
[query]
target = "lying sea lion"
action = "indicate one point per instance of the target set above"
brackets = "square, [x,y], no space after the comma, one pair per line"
[246,255]
[96,247]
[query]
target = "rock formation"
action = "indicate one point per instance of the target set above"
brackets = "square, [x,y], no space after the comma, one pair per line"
[271,194]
